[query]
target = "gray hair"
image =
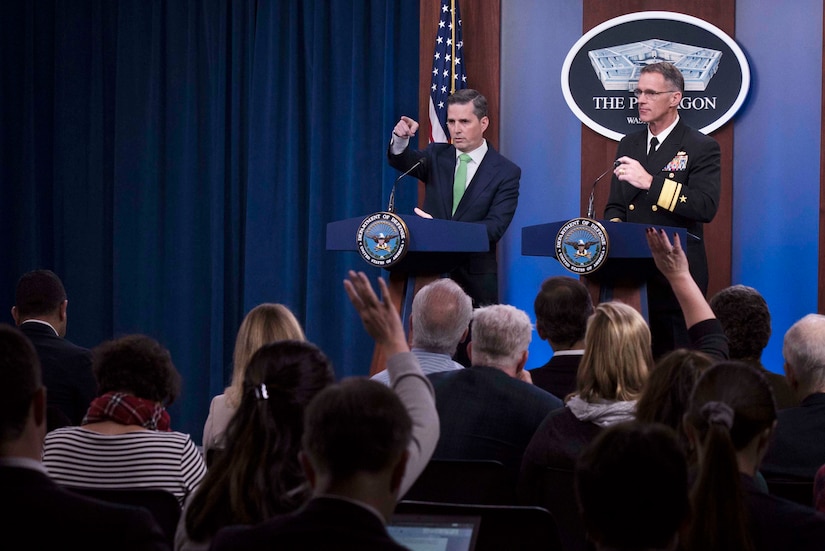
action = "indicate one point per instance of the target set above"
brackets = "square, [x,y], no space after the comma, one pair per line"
[501,333]
[441,312]
[804,350]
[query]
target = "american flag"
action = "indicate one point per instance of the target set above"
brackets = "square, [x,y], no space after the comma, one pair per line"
[448,68]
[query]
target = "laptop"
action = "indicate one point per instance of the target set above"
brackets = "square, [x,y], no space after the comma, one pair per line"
[435,532]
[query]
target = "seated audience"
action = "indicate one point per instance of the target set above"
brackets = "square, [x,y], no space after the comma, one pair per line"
[259,475]
[263,437]
[632,488]
[615,366]
[798,447]
[126,439]
[486,411]
[730,419]
[746,320]
[439,321]
[562,307]
[263,324]
[38,513]
[666,393]
[354,451]
[41,313]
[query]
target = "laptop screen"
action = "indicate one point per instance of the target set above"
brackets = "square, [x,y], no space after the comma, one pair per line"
[435,532]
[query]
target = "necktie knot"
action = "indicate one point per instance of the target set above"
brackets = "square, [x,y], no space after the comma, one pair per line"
[460,182]
[654,141]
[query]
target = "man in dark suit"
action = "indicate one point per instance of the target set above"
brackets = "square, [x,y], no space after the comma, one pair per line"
[798,446]
[488,195]
[668,175]
[490,410]
[354,452]
[562,307]
[40,313]
[39,514]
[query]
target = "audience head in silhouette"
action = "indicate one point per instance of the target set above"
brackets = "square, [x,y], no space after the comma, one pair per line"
[562,306]
[746,320]
[804,352]
[258,475]
[40,295]
[632,487]
[667,391]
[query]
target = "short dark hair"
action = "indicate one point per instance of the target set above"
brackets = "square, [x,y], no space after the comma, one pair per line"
[136,364]
[562,307]
[669,71]
[357,425]
[39,292]
[20,373]
[632,486]
[467,95]
[745,319]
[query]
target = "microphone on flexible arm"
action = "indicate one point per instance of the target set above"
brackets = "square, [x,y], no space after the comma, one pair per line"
[391,204]
[593,189]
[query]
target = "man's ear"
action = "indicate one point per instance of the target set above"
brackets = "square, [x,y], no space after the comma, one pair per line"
[398,472]
[15,315]
[485,122]
[309,470]
[790,375]
[522,362]
[62,311]
[470,351]
[542,336]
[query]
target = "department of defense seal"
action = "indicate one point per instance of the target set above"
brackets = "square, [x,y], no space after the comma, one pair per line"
[382,239]
[582,246]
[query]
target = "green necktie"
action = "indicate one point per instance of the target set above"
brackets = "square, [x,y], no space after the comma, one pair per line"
[460,183]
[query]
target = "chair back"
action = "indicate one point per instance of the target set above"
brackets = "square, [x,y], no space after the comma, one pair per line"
[799,490]
[478,481]
[511,527]
[163,505]
[558,495]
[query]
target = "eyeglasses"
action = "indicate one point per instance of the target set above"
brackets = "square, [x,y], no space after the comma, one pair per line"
[652,94]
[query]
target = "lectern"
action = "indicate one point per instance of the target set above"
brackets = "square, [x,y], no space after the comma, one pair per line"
[434,248]
[628,260]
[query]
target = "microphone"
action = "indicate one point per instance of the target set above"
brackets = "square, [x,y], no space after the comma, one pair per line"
[593,189]
[391,204]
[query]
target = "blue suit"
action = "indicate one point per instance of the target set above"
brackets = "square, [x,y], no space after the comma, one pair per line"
[491,199]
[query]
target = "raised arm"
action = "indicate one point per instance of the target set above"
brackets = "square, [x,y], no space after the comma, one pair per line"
[383,323]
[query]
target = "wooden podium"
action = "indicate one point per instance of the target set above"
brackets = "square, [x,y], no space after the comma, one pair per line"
[434,248]
[623,274]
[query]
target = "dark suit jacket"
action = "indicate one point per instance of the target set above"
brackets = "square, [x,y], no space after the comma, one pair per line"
[67,371]
[778,524]
[798,446]
[39,514]
[486,414]
[558,376]
[491,199]
[323,524]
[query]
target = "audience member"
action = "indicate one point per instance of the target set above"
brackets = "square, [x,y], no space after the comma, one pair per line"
[666,393]
[439,321]
[746,320]
[819,489]
[798,447]
[354,451]
[39,514]
[615,366]
[486,411]
[730,419]
[40,311]
[562,307]
[632,488]
[263,324]
[126,439]
[259,475]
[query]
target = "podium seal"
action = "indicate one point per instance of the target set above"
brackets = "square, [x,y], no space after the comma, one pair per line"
[582,246]
[382,239]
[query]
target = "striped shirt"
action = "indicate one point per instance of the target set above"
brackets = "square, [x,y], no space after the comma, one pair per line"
[169,461]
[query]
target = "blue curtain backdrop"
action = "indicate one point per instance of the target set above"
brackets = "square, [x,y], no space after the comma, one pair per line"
[176,163]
